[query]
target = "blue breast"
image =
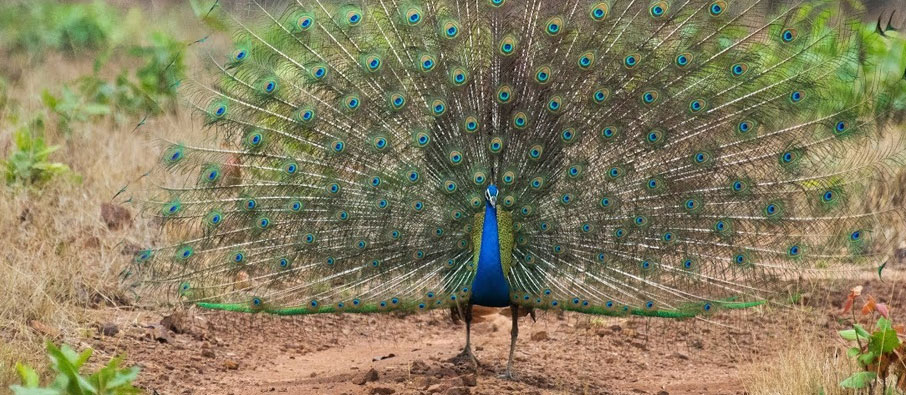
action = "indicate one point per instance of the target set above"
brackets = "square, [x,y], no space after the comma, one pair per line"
[490,288]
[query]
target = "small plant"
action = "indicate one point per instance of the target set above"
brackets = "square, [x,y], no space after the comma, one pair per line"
[29,162]
[880,352]
[73,106]
[164,67]
[67,363]
[151,90]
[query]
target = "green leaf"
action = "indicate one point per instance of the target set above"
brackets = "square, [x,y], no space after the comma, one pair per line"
[64,362]
[49,99]
[867,358]
[883,323]
[859,380]
[852,334]
[124,378]
[96,109]
[28,375]
[19,390]
[853,352]
[44,152]
[861,331]
[883,341]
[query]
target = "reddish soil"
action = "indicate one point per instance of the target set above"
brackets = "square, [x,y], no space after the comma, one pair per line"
[204,352]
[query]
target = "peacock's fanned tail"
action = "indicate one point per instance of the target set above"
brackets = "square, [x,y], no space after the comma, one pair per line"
[665,158]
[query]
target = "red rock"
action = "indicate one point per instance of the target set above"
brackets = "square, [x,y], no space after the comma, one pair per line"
[116,217]
[370,375]
[539,336]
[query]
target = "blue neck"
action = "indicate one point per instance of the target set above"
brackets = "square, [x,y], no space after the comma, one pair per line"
[490,288]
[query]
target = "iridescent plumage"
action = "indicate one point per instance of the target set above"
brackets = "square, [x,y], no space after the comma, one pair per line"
[663,158]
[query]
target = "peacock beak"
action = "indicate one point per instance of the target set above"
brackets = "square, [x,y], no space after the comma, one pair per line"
[493,201]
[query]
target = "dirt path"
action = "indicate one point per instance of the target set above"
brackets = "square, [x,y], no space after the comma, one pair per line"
[222,353]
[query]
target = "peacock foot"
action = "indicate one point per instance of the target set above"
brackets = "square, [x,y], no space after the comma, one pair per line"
[465,355]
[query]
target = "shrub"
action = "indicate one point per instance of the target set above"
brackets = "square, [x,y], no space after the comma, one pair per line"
[35,27]
[880,352]
[67,363]
[29,161]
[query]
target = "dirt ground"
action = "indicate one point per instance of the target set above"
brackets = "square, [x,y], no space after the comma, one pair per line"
[204,352]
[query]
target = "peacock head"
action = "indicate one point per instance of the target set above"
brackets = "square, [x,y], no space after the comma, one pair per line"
[490,195]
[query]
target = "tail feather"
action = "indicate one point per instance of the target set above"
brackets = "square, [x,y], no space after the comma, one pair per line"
[664,158]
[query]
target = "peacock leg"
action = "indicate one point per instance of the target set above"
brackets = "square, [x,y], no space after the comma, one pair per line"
[467,350]
[513,334]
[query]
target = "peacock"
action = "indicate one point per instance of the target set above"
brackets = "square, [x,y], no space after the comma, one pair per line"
[656,158]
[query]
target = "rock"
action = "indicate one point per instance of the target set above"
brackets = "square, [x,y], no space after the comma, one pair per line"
[25,214]
[437,388]
[370,375]
[639,344]
[43,329]
[176,322]
[231,364]
[109,329]
[601,332]
[616,328]
[663,393]
[382,391]
[207,353]
[116,217]
[459,391]
[444,371]
[539,336]
[469,380]
[680,355]
[419,366]
[160,334]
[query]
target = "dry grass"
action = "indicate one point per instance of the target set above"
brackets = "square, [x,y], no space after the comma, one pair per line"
[58,255]
[807,363]
[58,258]
[810,358]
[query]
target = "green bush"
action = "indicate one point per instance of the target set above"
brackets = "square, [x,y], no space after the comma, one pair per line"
[164,67]
[35,27]
[67,363]
[150,90]
[29,163]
